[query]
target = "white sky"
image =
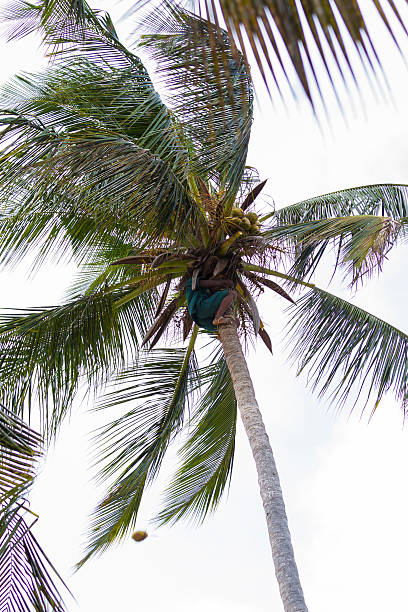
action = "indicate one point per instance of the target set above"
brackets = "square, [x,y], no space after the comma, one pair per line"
[344,481]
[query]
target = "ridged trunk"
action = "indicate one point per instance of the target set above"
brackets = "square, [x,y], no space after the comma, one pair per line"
[268,479]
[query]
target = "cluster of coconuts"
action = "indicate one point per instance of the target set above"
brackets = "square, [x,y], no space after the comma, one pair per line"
[239,221]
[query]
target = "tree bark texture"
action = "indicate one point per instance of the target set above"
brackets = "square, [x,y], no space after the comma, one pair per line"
[268,479]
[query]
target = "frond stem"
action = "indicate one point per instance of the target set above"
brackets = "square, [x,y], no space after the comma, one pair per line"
[254,268]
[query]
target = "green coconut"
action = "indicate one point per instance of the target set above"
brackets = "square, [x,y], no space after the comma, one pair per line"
[237,212]
[253,217]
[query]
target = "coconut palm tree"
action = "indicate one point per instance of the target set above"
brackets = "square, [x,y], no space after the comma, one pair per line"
[147,198]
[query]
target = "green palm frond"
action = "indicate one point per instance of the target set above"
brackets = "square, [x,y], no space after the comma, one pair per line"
[387,199]
[132,447]
[314,34]
[91,186]
[90,152]
[99,81]
[20,448]
[208,454]
[84,93]
[24,18]
[300,23]
[27,578]
[360,243]
[211,97]
[347,351]
[47,353]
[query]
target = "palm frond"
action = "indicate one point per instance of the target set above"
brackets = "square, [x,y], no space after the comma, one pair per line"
[296,24]
[27,578]
[98,81]
[207,456]
[90,149]
[24,18]
[260,280]
[20,448]
[347,351]
[385,200]
[132,447]
[47,353]
[211,97]
[88,185]
[313,34]
[360,243]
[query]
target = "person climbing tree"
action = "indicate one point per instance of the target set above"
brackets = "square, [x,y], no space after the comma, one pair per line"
[208,300]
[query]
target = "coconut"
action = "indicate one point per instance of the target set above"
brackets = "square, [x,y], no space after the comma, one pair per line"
[139,536]
[245,223]
[237,212]
[253,217]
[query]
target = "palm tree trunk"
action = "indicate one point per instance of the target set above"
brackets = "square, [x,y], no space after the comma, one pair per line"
[268,479]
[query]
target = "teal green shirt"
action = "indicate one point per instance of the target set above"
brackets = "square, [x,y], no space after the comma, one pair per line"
[202,304]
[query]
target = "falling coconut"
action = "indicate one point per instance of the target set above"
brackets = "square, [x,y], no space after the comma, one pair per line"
[138,536]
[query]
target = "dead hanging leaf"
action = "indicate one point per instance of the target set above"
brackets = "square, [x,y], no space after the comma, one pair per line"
[187,324]
[139,536]
[163,320]
[134,260]
[163,297]
[254,312]
[265,337]
[260,280]
[277,288]
[251,196]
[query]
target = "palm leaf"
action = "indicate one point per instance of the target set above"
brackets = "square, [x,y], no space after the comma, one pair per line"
[132,447]
[259,280]
[297,25]
[214,109]
[347,351]
[387,199]
[24,18]
[20,448]
[89,183]
[266,339]
[207,456]
[360,242]
[27,578]
[87,134]
[99,80]
[46,353]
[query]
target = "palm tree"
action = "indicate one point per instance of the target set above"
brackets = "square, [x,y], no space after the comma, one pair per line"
[144,197]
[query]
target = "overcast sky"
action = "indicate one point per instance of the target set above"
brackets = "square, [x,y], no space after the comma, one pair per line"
[344,480]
